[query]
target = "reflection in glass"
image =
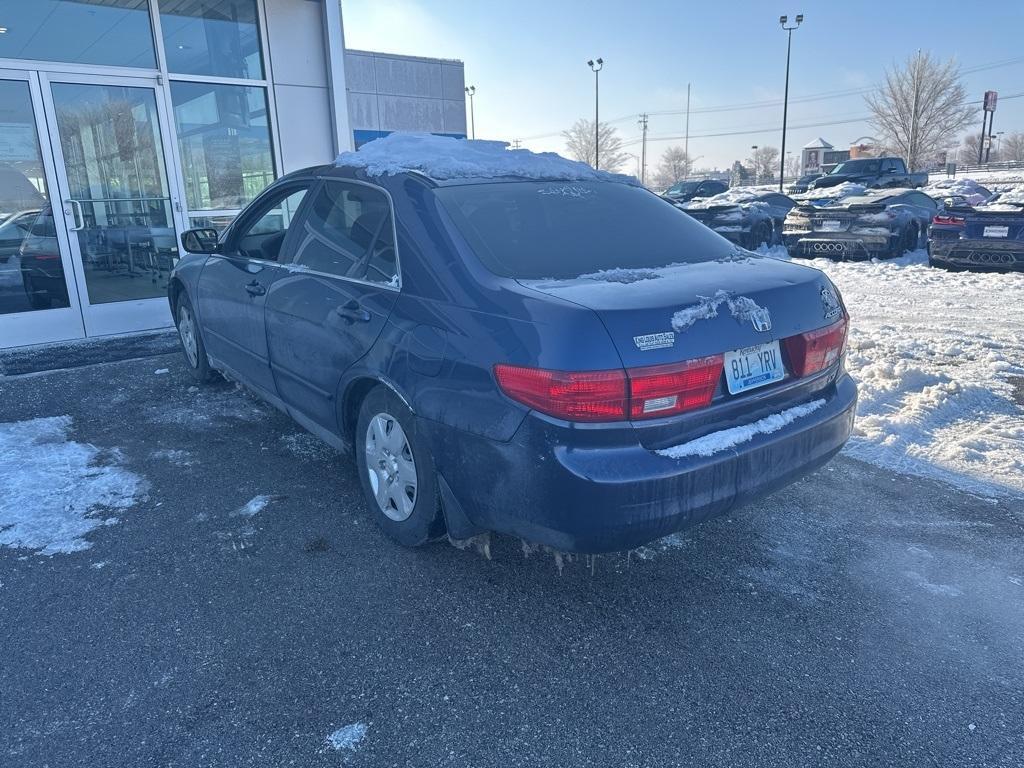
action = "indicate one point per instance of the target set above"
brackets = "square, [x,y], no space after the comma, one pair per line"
[31,271]
[211,37]
[113,32]
[110,139]
[224,142]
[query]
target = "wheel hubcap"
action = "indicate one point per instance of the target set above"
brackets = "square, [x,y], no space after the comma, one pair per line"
[187,332]
[390,467]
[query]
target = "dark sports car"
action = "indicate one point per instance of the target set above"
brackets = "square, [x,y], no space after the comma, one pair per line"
[744,217]
[872,224]
[682,191]
[989,236]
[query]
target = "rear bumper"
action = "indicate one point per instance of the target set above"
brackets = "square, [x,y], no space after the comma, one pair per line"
[613,497]
[979,254]
[838,246]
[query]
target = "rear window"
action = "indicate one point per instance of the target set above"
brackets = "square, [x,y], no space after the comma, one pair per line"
[553,229]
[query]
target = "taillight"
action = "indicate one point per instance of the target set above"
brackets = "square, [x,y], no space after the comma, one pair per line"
[816,350]
[949,221]
[664,390]
[638,393]
[574,396]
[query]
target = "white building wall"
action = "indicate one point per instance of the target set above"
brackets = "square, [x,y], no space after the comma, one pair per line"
[388,92]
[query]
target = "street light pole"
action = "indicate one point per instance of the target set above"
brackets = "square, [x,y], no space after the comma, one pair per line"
[753,160]
[596,67]
[785,99]
[471,90]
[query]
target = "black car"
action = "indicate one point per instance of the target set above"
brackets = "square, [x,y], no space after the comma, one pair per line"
[682,191]
[802,184]
[874,224]
[746,218]
[987,237]
[875,172]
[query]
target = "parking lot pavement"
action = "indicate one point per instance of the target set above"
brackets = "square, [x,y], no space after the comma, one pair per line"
[234,606]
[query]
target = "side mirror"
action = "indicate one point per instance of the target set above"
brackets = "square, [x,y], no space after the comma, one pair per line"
[199,240]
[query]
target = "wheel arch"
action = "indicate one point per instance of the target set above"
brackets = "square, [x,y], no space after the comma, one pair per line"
[354,391]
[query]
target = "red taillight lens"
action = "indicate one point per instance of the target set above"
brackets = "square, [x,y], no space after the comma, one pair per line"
[664,390]
[955,221]
[575,396]
[816,350]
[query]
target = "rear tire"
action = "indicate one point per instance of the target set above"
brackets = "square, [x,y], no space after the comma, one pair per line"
[192,346]
[396,471]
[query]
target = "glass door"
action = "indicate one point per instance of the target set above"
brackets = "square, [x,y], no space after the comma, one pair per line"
[38,300]
[117,202]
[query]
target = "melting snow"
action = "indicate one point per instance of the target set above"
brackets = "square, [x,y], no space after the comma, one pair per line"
[966,188]
[442,157]
[729,438]
[347,737]
[741,307]
[254,506]
[622,275]
[52,489]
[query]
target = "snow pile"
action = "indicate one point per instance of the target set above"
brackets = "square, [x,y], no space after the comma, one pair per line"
[741,307]
[52,489]
[734,196]
[829,195]
[1010,201]
[442,157]
[938,357]
[717,442]
[254,506]
[969,189]
[622,275]
[347,737]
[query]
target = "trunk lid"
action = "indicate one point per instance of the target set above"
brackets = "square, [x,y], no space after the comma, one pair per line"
[997,225]
[689,311]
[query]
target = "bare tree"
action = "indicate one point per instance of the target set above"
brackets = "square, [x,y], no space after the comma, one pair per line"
[674,165]
[763,162]
[968,152]
[579,140]
[792,166]
[920,108]
[1011,147]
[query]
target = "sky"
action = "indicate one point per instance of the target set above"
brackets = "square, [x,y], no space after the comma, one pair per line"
[528,58]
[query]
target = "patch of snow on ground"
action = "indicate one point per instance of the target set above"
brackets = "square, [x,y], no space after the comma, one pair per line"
[254,506]
[347,737]
[442,157]
[729,438]
[935,354]
[53,490]
[741,307]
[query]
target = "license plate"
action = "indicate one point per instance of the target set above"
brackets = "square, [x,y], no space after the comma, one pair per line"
[753,367]
[831,225]
[996,232]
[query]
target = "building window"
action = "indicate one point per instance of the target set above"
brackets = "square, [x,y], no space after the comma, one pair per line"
[116,33]
[217,38]
[224,144]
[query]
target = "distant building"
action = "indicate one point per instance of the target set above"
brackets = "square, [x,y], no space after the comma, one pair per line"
[388,92]
[818,156]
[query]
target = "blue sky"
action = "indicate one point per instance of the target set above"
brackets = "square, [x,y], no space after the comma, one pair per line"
[528,61]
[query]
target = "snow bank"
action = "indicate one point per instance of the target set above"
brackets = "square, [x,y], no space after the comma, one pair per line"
[935,354]
[442,157]
[741,307]
[53,490]
[717,442]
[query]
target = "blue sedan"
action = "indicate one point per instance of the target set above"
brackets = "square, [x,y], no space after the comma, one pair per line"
[516,343]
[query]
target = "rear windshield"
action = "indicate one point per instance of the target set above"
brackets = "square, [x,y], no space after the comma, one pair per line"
[558,229]
[858,166]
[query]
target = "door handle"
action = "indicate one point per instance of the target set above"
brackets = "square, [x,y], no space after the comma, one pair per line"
[76,210]
[255,289]
[352,313]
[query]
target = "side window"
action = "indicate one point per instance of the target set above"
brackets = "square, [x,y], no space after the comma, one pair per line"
[922,200]
[262,233]
[348,233]
[888,166]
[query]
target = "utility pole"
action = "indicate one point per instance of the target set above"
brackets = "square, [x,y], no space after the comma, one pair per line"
[642,122]
[517,143]
[471,90]
[596,67]
[785,98]
[686,141]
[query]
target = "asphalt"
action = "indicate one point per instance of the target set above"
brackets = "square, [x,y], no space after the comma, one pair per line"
[857,618]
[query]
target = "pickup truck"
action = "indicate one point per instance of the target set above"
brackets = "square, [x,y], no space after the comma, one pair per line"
[876,172]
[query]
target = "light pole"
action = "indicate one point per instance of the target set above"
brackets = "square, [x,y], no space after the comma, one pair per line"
[753,160]
[596,67]
[785,99]
[471,89]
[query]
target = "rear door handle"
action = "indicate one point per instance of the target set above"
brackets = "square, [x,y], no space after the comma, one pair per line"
[352,313]
[255,289]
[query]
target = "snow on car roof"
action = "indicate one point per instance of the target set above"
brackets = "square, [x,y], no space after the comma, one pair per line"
[443,158]
[734,196]
[1009,201]
[828,194]
[969,189]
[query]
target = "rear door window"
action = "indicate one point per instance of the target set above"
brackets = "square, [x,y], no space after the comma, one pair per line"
[562,229]
[348,232]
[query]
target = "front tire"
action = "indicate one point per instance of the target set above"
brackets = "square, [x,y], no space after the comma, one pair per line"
[396,471]
[191,338]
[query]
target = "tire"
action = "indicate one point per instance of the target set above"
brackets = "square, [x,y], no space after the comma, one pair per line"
[396,467]
[192,346]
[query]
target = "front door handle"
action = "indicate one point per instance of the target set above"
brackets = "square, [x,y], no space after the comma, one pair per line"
[255,289]
[352,313]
